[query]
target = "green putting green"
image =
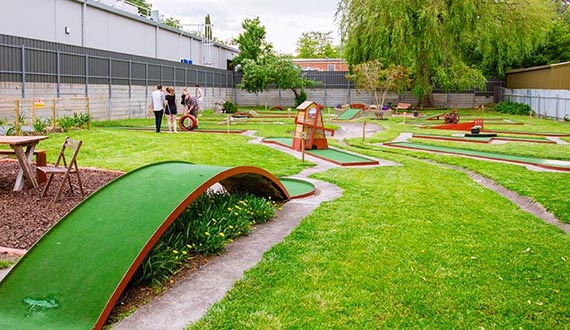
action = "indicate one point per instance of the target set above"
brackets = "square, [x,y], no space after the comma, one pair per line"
[298,188]
[75,273]
[483,139]
[561,165]
[332,155]
[348,114]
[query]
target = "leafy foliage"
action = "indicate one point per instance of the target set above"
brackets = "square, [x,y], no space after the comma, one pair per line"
[301,98]
[173,22]
[435,38]
[252,44]
[211,222]
[229,107]
[513,108]
[261,66]
[373,77]
[317,45]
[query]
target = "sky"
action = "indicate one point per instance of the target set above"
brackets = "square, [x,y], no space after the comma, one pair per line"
[284,20]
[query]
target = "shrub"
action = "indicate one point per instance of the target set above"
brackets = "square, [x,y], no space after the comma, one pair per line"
[301,98]
[229,107]
[211,222]
[40,125]
[513,108]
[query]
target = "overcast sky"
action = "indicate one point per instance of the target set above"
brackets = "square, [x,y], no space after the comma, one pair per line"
[284,20]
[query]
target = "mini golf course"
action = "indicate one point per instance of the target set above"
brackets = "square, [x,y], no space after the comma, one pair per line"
[72,277]
[552,164]
[331,155]
[348,114]
[481,139]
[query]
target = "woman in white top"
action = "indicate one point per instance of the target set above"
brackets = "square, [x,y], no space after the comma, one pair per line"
[199,97]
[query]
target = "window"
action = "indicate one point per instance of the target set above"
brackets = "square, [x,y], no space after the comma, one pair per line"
[330,67]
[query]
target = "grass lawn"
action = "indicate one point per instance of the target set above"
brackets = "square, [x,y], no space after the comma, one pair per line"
[411,246]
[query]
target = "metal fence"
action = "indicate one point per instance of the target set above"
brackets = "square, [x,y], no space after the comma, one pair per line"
[25,65]
[544,102]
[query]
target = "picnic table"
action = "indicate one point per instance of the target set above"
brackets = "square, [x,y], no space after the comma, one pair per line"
[17,143]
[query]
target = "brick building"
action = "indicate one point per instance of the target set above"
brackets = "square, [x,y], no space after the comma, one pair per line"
[321,64]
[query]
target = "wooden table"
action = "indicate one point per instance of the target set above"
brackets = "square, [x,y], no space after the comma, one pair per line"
[17,143]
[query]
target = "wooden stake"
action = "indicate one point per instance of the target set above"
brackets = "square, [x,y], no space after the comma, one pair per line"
[228,121]
[17,121]
[88,109]
[303,147]
[53,114]
[364,130]
[405,113]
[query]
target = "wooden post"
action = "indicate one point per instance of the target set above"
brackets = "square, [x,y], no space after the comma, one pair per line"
[405,113]
[53,114]
[364,130]
[228,123]
[303,138]
[530,117]
[17,121]
[288,113]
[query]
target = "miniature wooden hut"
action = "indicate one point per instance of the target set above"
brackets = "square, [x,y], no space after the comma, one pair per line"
[310,127]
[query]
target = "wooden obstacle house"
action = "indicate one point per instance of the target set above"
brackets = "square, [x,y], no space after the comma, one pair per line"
[310,131]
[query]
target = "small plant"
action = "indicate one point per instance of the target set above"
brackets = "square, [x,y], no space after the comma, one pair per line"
[65,123]
[81,120]
[230,107]
[5,263]
[41,125]
[514,108]
[211,222]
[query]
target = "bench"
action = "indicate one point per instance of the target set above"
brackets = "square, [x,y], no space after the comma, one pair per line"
[41,160]
[403,106]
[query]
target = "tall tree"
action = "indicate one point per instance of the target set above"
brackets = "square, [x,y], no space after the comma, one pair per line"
[208,28]
[251,41]
[173,22]
[317,45]
[261,66]
[432,37]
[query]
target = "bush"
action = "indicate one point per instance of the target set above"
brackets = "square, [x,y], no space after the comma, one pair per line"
[513,108]
[40,125]
[301,98]
[211,222]
[229,107]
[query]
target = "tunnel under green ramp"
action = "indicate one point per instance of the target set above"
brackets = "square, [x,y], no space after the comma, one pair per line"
[76,272]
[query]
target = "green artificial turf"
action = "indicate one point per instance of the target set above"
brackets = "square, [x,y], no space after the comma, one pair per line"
[552,163]
[348,114]
[66,279]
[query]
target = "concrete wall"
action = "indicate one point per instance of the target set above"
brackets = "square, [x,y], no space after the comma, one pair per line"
[96,25]
[333,97]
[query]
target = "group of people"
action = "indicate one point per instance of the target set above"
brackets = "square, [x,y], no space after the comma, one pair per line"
[164,102]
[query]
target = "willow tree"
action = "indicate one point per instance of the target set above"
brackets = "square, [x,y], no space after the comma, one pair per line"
[434,38]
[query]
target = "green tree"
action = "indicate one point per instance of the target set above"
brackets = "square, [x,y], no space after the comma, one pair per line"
[434,38]
[287,75]
[208,28]
[173,22]
[377,80]
[317,45]
[555,47]
[261,66]
[251,42]
[144,7]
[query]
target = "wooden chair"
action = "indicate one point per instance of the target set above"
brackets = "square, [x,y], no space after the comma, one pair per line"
[65,166]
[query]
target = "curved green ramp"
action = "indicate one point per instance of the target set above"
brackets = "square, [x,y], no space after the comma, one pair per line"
[75,273]
[348,114]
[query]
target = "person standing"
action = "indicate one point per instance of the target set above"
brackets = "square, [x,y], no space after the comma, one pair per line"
[171,109]
[199,97]
[158,104]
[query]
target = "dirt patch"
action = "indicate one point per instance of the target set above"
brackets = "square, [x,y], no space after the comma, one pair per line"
[26,216]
